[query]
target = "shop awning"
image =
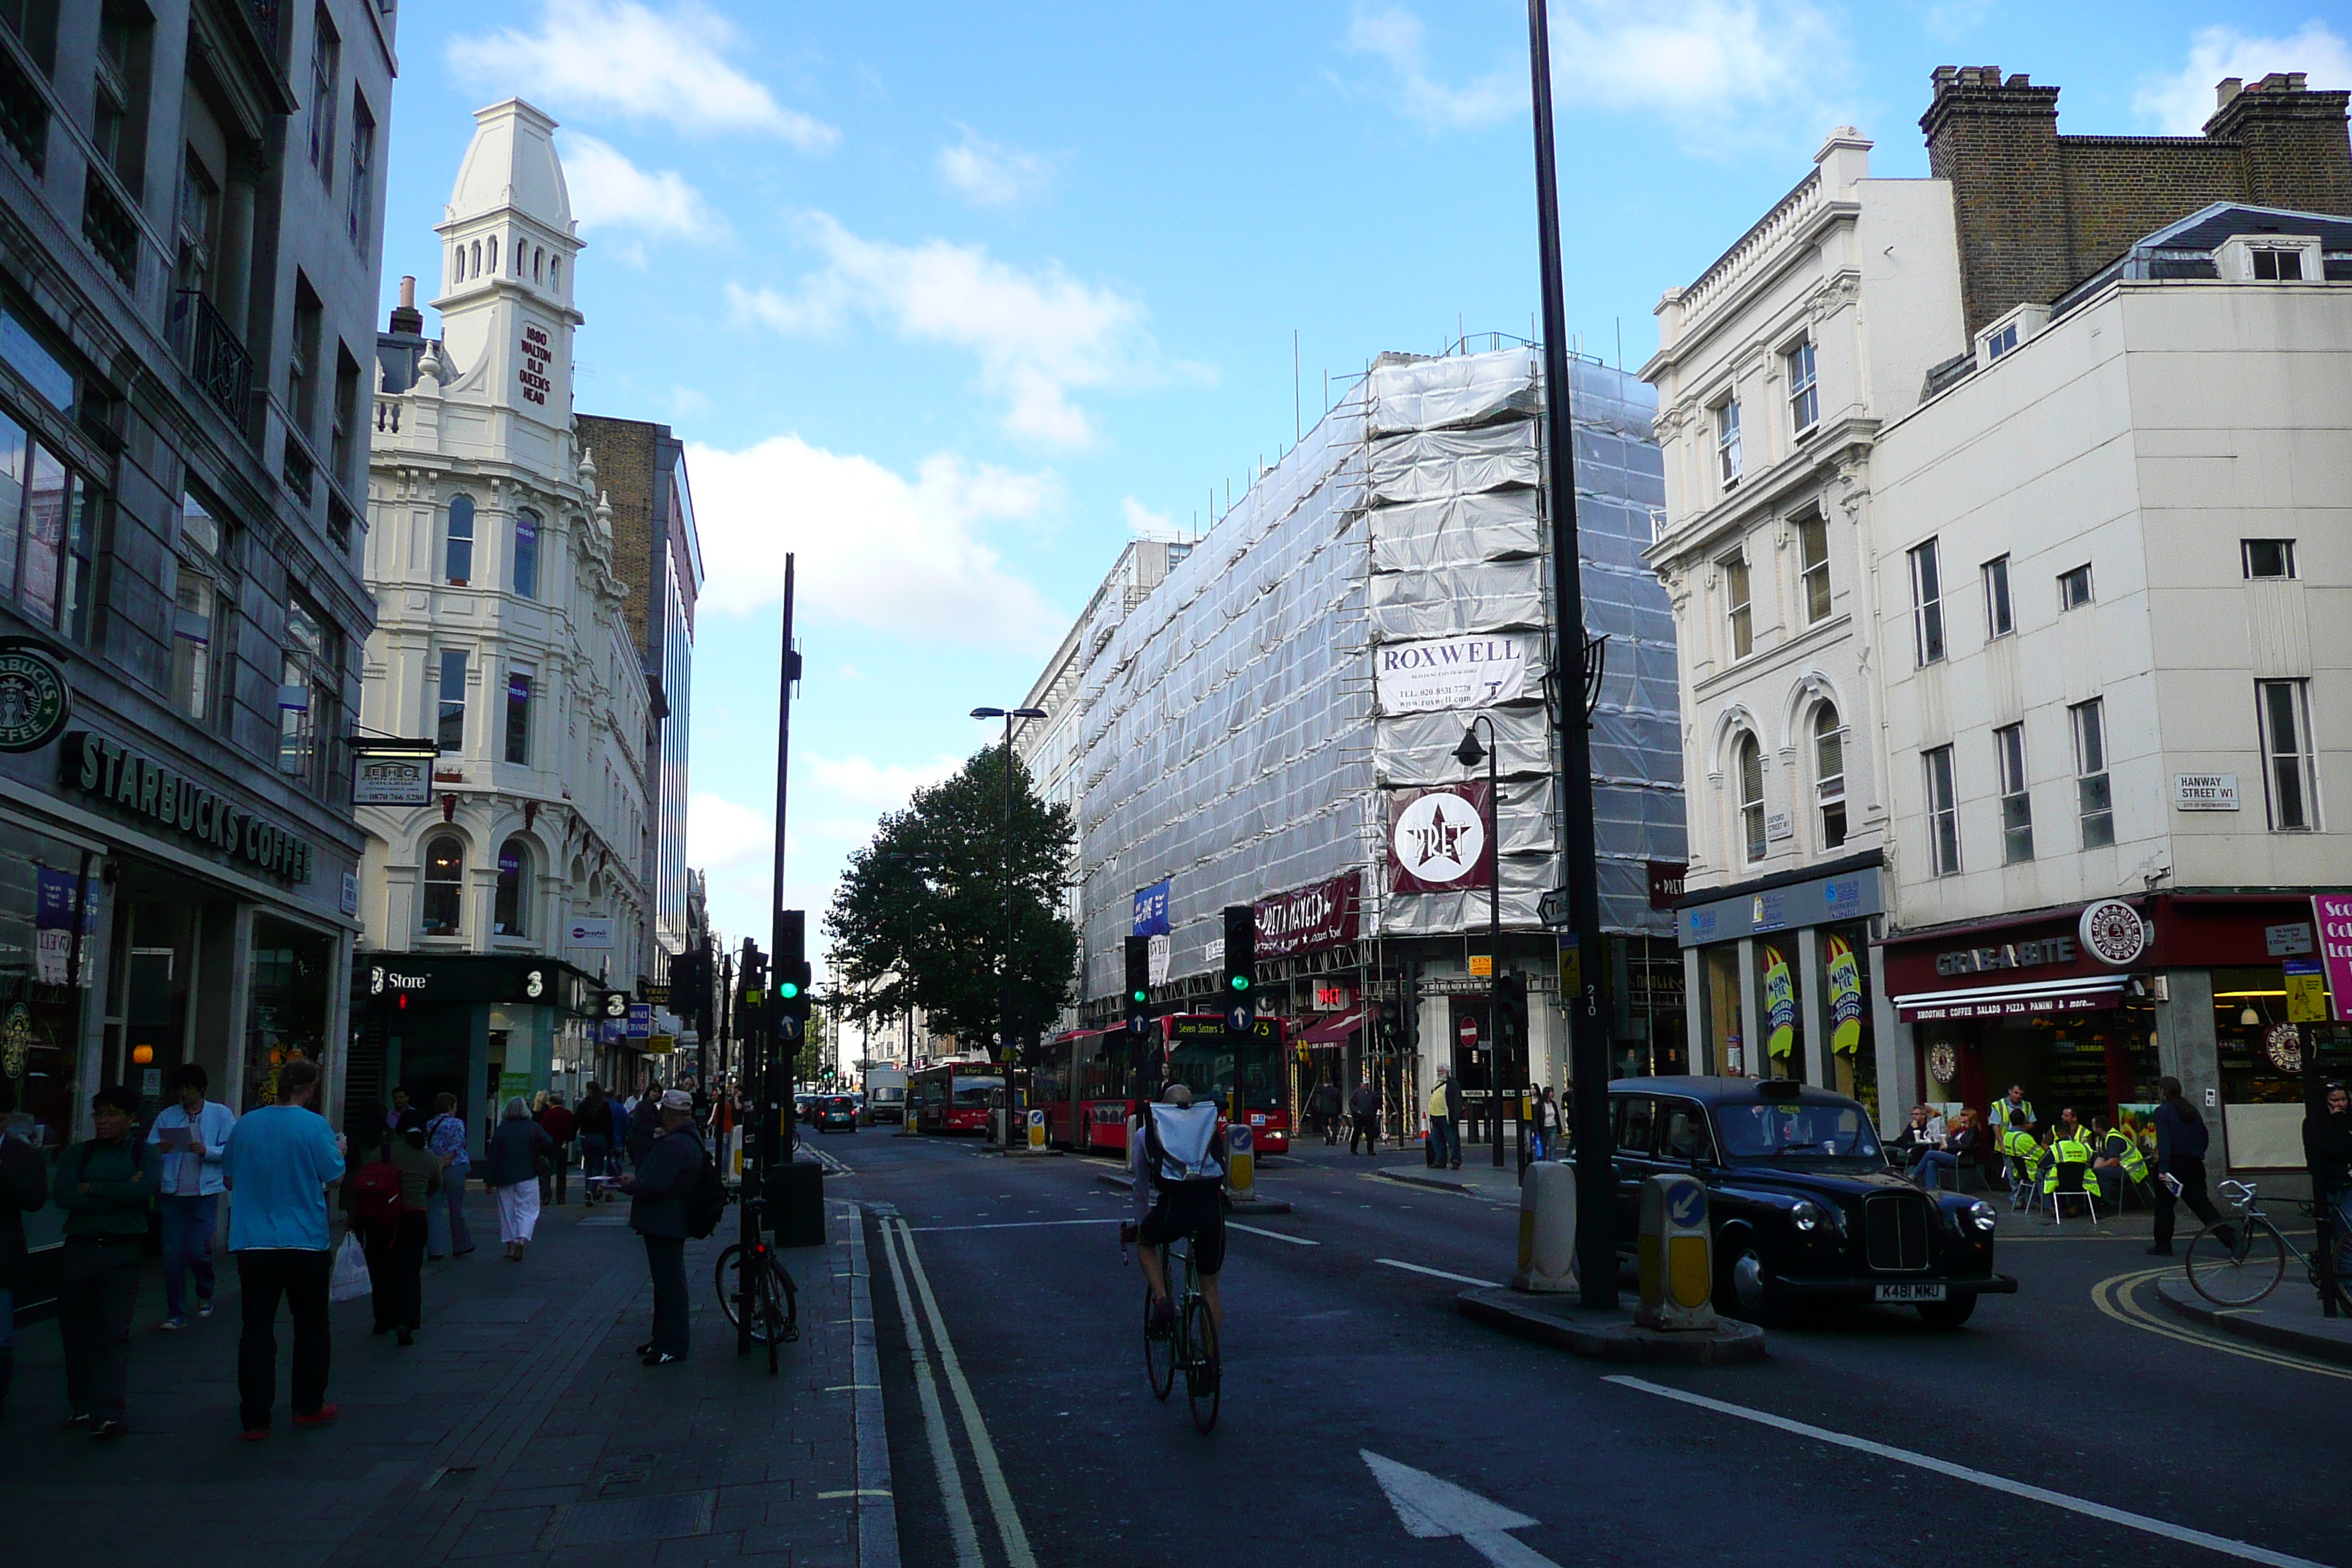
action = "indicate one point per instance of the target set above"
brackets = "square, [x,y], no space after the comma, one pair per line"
[2078,994]
[1333,1030]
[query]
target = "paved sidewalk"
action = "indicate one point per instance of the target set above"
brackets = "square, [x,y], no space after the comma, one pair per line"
[520,1426]
[2289,1318]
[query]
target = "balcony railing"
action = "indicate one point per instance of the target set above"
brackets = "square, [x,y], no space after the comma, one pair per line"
[215,358]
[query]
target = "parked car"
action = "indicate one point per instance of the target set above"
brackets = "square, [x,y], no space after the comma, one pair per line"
[1805,1208]
[836,1114]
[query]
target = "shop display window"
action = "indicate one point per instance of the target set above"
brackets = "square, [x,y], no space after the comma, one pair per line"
[1779,1009]
[285,1014]
[43,882]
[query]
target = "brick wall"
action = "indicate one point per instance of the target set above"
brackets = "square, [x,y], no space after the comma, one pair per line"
[2037,212]
[626,450]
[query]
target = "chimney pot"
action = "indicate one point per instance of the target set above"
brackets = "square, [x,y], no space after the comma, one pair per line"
[407,291]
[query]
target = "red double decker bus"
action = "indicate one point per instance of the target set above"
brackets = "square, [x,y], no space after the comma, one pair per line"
[953,1097]
[1089,1077]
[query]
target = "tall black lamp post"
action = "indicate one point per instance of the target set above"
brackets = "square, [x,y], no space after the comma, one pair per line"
[1004,970]
[1470,753]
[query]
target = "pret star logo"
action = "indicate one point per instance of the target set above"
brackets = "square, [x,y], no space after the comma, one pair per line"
[33,702]
[1437,840]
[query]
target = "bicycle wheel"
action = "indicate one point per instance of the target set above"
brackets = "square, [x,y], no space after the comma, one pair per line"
[1158,1354]
[2241,1274]
[1204,1378]
[730,1291]
[775,1315]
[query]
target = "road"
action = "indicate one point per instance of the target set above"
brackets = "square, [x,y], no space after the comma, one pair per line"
[1029,1415]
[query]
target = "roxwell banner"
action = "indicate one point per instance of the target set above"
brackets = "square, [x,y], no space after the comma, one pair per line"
[1445,673]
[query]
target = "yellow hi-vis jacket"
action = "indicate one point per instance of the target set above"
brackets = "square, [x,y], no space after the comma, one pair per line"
[2065,1152]
[2122,1145]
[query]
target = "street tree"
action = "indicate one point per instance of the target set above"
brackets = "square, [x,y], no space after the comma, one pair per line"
[920,918]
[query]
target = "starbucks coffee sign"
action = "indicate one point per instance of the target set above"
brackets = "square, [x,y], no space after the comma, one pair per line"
[132,782]
[34,703]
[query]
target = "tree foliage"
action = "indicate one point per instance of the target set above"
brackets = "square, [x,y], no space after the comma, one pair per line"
[920,919]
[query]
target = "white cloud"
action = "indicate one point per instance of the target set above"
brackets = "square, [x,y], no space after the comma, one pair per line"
[620,56]
[877,787]
[1396,35]
[2179,105]
[1720,73]
[722,836]
[1039,334]
[990,174]
[899,555]
[610,192]
[1145,524]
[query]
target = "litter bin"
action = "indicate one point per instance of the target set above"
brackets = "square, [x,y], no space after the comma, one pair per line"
[795,1196]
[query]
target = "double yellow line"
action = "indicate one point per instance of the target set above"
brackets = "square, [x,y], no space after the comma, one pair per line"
[896,1237]
[2115,1296]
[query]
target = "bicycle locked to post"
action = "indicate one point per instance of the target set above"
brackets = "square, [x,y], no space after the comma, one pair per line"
[1189,1344]
[2237,1262]
[763,1291]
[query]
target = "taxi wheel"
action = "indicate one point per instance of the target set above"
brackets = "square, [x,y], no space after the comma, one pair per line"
[1947,1315]
[1744,1285]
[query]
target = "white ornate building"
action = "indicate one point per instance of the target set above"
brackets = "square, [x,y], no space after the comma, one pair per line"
[500,629]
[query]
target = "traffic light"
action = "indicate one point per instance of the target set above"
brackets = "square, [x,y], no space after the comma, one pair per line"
[1139,986]
[1241,968]
[751,989]
[690,983]
[1511,1005]
[792,975]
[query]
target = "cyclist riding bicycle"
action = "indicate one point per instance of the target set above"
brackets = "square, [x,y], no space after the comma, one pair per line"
[1176,1152]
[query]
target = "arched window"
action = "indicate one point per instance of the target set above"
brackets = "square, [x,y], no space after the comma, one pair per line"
[458,266]
[494,253]
[538,263]
[555,274]
[445,885]
[514,889]
[1829,773]
[1751,797]
[474,268]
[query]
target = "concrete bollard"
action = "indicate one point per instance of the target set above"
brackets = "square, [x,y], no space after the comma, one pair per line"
[1547,1230]
[1677,1257]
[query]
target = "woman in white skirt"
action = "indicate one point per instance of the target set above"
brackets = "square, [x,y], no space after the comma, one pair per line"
[511,1172]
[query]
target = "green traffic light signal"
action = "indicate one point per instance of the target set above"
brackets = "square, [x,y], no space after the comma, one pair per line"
[1241,983]
[1141,997]
[788,990]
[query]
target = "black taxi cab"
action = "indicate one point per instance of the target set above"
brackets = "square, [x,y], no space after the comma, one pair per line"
[1804,1208]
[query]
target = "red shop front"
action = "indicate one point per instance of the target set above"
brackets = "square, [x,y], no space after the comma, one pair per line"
[2064,1002]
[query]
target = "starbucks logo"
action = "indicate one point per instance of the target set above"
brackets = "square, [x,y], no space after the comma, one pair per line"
[2113,933]
[33,701]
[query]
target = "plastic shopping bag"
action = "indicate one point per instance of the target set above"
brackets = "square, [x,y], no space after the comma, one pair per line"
[351,1279]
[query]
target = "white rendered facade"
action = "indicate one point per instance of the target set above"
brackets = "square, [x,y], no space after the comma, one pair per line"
[500,626]
[1777,371]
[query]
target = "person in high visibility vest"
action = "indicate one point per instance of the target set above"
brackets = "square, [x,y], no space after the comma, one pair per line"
[2068,1148]
[2023,1151]
[2013,1110]
[2116,1159]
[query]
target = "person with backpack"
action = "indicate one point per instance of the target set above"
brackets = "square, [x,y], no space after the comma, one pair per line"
[389,1199]
[556,1119]
[668,1199]
[1177,1161]
[104,1184]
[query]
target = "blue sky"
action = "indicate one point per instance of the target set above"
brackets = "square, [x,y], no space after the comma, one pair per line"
[951,299]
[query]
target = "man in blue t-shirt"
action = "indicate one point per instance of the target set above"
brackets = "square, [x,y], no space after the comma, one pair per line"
[281,1160]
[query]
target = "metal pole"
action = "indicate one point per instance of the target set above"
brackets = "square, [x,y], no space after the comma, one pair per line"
[1004,970]
[1494,933]
[788,670]
[1596,1242]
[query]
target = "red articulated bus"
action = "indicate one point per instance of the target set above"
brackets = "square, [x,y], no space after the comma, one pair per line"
[954,1097]
[1089,1077]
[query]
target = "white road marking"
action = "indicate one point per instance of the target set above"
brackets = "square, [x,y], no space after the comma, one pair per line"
[1017,1223]
[1255,1230]
[1437,1273]
[2241,1550]
[951,1497]
[1432,1509]
[975,1430]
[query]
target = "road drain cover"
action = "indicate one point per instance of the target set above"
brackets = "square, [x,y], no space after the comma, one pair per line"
[635,1519]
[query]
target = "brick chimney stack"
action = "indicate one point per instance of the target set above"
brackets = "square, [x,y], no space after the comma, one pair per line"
[406,316]
[2293,140]
[2037,213]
